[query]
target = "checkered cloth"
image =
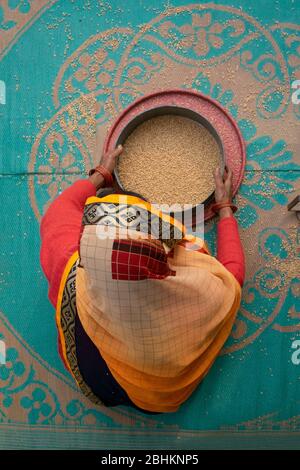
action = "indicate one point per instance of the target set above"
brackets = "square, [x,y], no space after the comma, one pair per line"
[158,319]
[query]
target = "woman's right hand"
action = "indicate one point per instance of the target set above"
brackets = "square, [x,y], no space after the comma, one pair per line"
[223,191]
[109,159]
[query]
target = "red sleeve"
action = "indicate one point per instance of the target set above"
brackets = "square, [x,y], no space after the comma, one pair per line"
[60,232]
[229,248]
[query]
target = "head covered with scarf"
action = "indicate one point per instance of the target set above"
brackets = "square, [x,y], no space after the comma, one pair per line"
[153,300]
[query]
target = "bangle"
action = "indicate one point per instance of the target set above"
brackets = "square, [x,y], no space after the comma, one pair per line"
[108,179]
[220,205]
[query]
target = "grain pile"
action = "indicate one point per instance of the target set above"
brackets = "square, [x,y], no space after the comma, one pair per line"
[169,159]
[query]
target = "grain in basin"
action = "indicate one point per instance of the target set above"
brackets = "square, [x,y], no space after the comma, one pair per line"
[169,159]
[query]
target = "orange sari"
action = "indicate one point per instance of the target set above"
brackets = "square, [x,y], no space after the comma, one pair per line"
[158,319]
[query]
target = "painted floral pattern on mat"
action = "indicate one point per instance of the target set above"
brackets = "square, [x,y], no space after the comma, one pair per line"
[247,67]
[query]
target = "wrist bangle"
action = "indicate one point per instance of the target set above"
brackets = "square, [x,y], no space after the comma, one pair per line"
[220,205]
[108,179]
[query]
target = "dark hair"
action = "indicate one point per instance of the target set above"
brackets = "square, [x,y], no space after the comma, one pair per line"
[107,191]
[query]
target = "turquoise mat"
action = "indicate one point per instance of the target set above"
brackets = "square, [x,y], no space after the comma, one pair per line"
[67,69]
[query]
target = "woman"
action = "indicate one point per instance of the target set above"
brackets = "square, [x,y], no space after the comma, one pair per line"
[141,319]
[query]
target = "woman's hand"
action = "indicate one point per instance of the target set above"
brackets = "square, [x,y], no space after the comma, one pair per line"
[223,191]
[108,160]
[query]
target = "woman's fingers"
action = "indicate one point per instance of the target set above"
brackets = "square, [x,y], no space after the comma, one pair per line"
[228,183]
[228,180]
[108,160]
[218,176]
[116,152]
[228,171]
